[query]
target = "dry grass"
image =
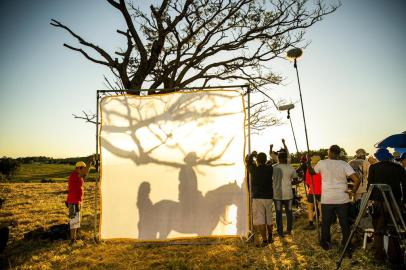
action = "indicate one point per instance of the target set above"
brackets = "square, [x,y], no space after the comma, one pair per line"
[33,205]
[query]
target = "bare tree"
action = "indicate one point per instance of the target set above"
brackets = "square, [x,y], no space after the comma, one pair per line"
[195,42]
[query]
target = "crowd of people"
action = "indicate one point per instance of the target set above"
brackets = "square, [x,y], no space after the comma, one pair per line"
[334,189]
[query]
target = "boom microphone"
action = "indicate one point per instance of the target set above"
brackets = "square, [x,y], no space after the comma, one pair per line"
[286,107]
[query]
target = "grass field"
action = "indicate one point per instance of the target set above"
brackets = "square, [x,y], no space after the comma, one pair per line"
[30,206]
[37,172]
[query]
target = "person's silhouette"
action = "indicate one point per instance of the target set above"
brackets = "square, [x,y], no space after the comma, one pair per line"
[189,195]
[146,213]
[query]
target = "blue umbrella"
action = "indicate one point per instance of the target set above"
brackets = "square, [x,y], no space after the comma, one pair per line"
[393,141]
[400,150]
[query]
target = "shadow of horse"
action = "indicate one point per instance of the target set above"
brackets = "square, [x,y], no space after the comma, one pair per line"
[199,216]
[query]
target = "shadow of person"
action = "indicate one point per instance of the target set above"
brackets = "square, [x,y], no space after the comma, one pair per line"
[146,228]
[166,215]
[189,195]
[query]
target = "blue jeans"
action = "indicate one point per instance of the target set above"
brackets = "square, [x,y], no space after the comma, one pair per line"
[289,215]
[329,213]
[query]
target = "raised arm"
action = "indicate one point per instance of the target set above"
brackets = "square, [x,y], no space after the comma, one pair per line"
[270,149]
[89,163]
[249,160]
[284,146]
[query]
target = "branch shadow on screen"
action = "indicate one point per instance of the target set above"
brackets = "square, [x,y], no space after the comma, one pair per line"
[160,120]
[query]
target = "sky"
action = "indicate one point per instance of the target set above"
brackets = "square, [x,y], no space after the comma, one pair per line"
[352,76]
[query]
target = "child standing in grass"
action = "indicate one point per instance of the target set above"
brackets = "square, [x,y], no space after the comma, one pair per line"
[75,196]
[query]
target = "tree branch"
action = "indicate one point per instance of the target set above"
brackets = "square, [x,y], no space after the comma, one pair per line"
[102,52]
[89,118]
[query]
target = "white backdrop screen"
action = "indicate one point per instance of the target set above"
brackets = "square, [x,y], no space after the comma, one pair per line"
[172,165]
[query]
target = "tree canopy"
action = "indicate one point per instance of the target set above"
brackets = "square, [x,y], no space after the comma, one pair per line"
[182,43]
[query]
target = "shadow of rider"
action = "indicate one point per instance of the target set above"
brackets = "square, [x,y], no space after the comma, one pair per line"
[189,195]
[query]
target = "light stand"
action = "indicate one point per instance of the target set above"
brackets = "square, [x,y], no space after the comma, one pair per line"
[295,54]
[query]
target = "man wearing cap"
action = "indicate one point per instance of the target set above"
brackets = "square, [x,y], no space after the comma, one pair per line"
[361,167]
[75,196]
[335,197]
[386,172]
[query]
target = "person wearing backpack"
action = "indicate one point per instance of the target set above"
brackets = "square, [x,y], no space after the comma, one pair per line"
[361,167]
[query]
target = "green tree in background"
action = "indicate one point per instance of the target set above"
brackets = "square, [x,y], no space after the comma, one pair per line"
[322,152]
[8,167]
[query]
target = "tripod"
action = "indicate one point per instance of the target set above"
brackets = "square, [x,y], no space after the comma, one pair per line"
[400,230]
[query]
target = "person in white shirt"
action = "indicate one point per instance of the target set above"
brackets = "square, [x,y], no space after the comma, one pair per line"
[283,175]
[335,196]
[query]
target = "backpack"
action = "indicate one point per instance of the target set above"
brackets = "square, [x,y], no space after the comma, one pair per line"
[358,166]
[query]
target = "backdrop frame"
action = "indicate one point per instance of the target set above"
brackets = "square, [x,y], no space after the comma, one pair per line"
[102,93]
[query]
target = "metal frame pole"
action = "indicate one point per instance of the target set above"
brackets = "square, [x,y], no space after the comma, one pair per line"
[96,189]
[249,118]
[174,89]
[308,151]
[251,234]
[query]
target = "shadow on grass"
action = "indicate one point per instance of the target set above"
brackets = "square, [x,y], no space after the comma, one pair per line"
[41,251]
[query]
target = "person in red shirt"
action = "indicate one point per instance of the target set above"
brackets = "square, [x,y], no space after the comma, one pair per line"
[317,193]
[75,196]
